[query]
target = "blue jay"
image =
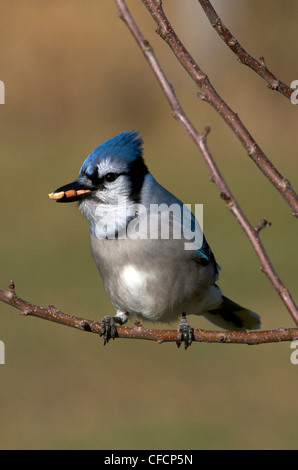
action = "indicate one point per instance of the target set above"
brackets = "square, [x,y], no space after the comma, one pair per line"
[159,278]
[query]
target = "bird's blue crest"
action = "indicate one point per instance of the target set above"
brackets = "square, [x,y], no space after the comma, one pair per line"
[126,146]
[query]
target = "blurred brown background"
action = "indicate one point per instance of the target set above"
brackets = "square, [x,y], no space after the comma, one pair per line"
[75,77]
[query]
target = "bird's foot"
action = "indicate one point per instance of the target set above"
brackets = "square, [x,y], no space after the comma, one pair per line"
[108,329]
[185,333]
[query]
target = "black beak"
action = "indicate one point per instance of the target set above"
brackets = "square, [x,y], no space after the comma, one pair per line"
[71,192]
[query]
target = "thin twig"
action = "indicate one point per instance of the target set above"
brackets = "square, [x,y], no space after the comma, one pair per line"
[272,82]
[200,141]
[139,332]
[209,94]
[262,224]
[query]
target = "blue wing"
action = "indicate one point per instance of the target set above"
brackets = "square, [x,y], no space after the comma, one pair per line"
[153,192]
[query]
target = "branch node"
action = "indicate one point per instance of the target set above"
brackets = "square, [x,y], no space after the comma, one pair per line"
[232,42]
[262,60]
[163,33]
[120,15]
[285,184]
[86,325]
[262,224]
[273,85]
[228,200]
[146,45]
[201,95]
[223,338]
[25,312]
[252,151]
[53,308]
[205,133]
[138,325]
[174,113]
[11,290]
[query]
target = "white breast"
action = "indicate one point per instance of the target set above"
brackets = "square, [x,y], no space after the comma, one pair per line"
[134,283]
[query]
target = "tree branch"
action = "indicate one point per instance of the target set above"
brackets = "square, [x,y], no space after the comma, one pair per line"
[272,82]
[209,94]
[160,336]
[200,141]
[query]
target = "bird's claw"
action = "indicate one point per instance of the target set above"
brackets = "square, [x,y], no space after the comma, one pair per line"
[185,333]
[108,329]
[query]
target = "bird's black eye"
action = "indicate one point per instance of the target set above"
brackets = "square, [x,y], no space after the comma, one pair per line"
[110,177]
